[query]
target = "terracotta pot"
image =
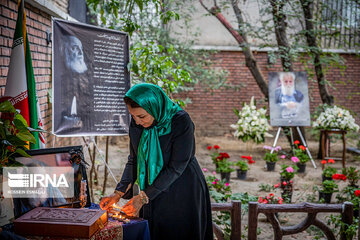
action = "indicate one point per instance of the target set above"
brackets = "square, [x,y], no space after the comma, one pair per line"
[270,166]
[241,174]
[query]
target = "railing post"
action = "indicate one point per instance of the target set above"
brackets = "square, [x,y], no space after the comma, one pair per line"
[235,220]
[346,217]
[252,221]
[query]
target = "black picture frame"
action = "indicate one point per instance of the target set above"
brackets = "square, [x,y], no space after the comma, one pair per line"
[52,157]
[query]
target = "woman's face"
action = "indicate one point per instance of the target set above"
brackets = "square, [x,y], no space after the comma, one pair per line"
[141,116]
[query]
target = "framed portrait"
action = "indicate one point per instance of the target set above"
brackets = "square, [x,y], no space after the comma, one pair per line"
[289,99]
[56,158]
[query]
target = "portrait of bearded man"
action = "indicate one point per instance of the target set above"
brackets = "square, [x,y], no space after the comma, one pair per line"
[287,97]
[76,107]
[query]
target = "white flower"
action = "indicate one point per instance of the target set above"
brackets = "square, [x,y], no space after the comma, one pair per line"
[252,123]
[335,117]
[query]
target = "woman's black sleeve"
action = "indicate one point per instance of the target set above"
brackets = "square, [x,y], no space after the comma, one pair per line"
[181,153]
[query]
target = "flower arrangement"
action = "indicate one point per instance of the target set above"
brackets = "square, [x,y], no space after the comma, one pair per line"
[270,199]
[328,171]
[335,117]
[352,175]
[14,134]
[272,157]
[300,153]
[252,124]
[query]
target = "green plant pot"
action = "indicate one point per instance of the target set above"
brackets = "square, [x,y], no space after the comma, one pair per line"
[301,166]
[241,174]
[225,176]
[270,166]
[325,196]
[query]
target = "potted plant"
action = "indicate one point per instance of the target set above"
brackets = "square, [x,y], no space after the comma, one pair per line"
[287,173]
[225,169]
[350,194]
[243,166]
[271,199]
[301,157]
[328,171]
[328,187]
[352,175]
[214,153]
[14,135]
[271,157]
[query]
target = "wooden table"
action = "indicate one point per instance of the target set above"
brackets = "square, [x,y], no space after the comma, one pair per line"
[325,144]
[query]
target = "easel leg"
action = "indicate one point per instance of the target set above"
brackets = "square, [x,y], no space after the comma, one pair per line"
[292,141]
[276,139]
[307,149]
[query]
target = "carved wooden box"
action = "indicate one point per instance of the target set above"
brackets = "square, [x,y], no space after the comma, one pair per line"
[61,222]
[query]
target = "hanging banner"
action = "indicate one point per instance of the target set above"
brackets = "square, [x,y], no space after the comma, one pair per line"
[90,79]
[289,99]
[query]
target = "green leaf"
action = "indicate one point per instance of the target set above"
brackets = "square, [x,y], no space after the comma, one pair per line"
[22,152]
[6,106]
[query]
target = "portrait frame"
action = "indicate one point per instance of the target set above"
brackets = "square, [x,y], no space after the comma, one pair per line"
[71,156]
[289,107]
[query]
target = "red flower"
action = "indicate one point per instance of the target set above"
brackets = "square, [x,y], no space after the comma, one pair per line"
[224,155]
[265,201]
[302,147]
[338,176]
[260,199]
[271,195]
[331,161]
[296,142]
[244,156]
[284,183]
[323,162]
[276,185]
[209,147]
[251,161]
[357,193]
[216,147]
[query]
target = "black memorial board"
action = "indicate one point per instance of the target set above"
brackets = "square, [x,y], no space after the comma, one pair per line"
[90,79]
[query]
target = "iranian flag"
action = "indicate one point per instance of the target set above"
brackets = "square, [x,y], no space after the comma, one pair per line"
[20,84]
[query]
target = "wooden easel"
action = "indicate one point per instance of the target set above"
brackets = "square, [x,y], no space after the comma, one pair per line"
[292,140]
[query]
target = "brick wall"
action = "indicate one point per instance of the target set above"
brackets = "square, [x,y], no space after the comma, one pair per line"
[213,113]
[37,23]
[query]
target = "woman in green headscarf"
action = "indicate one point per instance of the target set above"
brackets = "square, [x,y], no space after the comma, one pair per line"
[173,196]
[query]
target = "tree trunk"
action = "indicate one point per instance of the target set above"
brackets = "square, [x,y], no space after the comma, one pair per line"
[307,6]
[280,25]
[241,39]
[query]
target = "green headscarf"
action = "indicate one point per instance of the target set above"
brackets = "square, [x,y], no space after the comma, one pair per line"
[153,99]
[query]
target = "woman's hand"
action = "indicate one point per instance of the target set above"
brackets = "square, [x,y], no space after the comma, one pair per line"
[133,207]
[108,201]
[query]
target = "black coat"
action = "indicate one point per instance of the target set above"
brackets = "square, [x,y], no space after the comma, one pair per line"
[179,205]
